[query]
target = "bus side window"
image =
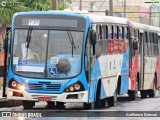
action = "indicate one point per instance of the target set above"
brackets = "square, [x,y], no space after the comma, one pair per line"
[110,39]
[133,32]
[103,32]
[100,31]
[115,40]
[99,43]
[150,43]
[137,37]
[154,44]
[99,48]
[106,31]
[157,43]
[86,58]
[158,40]
[151,39]
[146,44]
[120,29]
[125,44]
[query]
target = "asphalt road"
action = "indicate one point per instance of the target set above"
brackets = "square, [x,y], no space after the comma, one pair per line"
[124,107]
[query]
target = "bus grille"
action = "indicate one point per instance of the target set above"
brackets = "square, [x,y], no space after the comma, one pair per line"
[45,87]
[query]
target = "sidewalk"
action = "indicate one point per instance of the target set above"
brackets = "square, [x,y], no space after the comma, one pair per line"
[4,102]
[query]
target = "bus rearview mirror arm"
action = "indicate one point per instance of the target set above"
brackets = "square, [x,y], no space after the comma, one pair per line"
[5,43]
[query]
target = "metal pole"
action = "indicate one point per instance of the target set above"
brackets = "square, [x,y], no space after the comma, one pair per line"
[111,7]
[150,12]
[124,8]
[80,5]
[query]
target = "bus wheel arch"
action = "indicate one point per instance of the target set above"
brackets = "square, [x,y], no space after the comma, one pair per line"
[119,85]
[99,103]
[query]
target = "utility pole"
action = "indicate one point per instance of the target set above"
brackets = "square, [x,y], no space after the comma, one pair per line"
[54,4]
[80,4]
[111,7]
[124,8]
[150,12]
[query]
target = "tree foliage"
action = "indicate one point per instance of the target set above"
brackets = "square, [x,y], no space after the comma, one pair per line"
[13,6]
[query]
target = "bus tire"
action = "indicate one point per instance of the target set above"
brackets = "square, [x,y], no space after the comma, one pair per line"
[60,105]
[88,106]
[99,103]
[151,93]
[133,93]
[28,104]
[112,101]
[143,94]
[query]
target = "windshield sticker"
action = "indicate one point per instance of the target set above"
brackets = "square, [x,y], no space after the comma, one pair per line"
[15,60]
[29,69]
[54,60]
[52,72]
[22,62]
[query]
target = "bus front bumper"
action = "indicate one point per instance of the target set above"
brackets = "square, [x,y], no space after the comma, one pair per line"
[81,96]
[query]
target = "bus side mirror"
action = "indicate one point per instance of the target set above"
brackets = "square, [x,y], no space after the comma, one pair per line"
[135,45]
[93,37]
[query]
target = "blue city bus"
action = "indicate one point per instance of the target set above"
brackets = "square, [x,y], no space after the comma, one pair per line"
[61,57]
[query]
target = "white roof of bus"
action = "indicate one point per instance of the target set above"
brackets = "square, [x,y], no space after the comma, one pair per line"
[107,19]
[145,27]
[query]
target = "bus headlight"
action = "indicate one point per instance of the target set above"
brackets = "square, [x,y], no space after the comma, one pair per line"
[71,88]
[75,87]
[13,84]
[21,87]
[16,85]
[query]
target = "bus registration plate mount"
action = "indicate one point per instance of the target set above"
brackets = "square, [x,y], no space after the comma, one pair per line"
[44,98]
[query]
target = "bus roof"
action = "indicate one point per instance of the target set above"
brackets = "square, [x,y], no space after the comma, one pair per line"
[145,27]
[107,19]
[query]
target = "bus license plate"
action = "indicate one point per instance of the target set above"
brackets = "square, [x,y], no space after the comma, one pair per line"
[44,98]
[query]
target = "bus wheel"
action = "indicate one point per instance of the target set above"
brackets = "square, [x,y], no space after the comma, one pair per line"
[60,105]
[28,104]
[50,104]
[99,103]
[112,101]
[88,106]
[151,93]
[143,94]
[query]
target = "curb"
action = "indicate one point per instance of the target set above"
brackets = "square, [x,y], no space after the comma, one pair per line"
[4,102]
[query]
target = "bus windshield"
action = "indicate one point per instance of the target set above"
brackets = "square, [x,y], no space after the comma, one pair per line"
[48,54]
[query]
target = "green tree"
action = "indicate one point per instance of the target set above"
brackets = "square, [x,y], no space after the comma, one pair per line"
[13,6]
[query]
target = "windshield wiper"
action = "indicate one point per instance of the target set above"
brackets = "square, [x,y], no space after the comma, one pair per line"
[71,39]
[28,38]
